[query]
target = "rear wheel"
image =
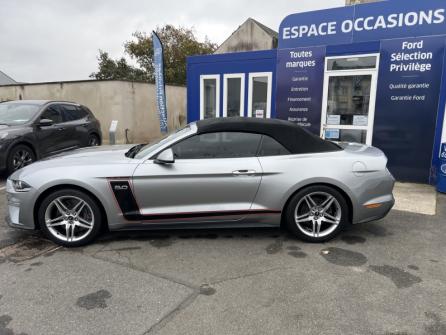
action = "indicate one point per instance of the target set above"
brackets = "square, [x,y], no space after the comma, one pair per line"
[317,213]
[70,218]
[20,156]
[93,140]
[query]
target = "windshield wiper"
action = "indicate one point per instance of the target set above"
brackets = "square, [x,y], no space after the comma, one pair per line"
[134,150]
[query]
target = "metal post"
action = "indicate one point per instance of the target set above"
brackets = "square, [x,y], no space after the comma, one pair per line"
[112,132]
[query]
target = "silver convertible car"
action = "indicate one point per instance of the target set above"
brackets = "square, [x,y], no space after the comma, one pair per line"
[232,172]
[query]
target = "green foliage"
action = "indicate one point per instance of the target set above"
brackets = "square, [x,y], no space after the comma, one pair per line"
[117,69]
[178,44]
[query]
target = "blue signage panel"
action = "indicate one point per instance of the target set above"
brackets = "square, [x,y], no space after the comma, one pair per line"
[159,82]
[300,78]
[407,103]
[443,153]
[365,22]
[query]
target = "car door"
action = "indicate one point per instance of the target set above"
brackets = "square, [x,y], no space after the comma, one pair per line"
[50,139]
[215,177]
[76,127]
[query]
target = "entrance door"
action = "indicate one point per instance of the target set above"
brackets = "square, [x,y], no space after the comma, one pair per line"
[348,110]
[259,95]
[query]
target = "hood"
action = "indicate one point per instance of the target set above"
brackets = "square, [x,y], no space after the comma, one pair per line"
[103,153]
[13,130]
[97,160]
[86,157]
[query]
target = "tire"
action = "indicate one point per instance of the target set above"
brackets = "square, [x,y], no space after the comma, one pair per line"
[93,140]
[21,155]
[74,213]
[317,214]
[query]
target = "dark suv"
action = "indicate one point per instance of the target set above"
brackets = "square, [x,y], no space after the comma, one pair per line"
[33,129]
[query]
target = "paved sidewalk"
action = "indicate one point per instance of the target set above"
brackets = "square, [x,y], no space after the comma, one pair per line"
[415,198]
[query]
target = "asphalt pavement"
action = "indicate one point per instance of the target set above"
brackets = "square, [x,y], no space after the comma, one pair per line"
[386,277]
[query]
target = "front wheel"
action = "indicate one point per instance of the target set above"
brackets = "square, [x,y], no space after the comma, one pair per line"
[317,214]
[20,156]
[70,218]
[93,140]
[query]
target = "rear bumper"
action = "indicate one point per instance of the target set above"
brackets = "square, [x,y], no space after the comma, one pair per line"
[375,198]
[386,203]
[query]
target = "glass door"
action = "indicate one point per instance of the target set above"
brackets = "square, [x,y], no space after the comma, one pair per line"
[349,99]
[259,95]
[209,96]
[233,94]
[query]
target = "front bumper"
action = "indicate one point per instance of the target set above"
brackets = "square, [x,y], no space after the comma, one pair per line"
[20,208]
[4,148]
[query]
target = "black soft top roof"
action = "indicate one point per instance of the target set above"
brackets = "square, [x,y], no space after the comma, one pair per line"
[293,137]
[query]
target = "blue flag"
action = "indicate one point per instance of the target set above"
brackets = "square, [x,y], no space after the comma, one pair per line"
[159,81]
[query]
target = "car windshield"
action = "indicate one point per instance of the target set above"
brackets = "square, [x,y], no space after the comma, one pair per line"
[146,150]
[17,113]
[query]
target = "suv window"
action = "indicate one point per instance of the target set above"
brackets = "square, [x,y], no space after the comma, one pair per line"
[52,113]
[218,145]
[73,113]
[270,147]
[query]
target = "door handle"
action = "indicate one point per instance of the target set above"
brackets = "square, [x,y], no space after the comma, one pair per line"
[61,128]
[244,172]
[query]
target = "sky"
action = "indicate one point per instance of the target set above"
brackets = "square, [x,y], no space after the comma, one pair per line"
[58,40]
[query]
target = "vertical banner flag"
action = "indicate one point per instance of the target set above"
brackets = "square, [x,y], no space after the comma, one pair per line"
[159,81]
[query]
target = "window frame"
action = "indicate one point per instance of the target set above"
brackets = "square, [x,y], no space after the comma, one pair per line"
[216,132]
[261,144]
[257,154]
[376,68]
[216,77]
[253,75]
[78,110]
[374,73]
[240,76]
[57,105]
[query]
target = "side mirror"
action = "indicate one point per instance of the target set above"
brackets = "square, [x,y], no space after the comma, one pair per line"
[165,157]
[45,122]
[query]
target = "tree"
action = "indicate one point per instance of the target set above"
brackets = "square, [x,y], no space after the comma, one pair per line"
[178,44]
[117,69]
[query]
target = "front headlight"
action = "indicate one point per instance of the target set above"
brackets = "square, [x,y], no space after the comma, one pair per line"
[20,186]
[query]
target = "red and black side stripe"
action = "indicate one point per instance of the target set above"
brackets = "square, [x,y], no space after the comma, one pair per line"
[125,198]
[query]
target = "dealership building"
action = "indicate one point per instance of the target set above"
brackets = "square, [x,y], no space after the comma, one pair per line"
[370,73]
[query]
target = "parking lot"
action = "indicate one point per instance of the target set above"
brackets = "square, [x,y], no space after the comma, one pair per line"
[387,277]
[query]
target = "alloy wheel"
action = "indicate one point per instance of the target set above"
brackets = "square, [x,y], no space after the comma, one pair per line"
[318,214]
[69,218]
[93,142]
[21,159]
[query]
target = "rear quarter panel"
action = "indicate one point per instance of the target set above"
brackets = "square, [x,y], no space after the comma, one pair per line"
[285,175]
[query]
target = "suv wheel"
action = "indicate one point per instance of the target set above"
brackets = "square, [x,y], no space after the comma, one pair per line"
[20,156]
[317,214]
[70,218]
[93,140]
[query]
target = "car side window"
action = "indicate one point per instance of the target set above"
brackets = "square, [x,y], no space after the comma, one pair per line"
[218,145]
[73,113]
[52,113]
[270,147]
